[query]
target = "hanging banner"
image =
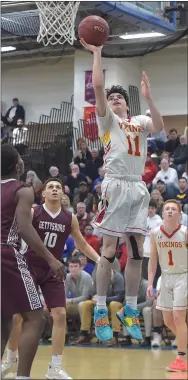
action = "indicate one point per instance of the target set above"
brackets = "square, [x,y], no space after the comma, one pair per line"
[90,124]
[89,91]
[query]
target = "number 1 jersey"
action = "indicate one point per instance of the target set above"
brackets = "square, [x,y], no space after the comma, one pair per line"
[125,143]
[172,250]
[53,229]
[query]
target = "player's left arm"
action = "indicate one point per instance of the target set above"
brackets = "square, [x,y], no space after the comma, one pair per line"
[155,124]
[81,243]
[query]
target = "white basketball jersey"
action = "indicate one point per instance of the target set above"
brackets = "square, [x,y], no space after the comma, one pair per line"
[172,250]
[125,143]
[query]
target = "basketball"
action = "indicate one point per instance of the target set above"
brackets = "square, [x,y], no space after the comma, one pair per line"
[94,30]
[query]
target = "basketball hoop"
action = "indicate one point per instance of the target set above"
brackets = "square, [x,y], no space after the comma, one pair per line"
[57,19]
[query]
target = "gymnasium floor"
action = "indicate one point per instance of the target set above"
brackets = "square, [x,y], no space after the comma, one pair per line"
[109,363]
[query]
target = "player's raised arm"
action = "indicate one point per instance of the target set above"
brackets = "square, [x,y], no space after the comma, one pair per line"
[81,243]
[25,199]
[155,124]
[152,265]
[97,77]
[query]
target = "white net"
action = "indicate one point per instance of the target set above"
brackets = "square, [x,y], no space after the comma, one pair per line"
[57,19]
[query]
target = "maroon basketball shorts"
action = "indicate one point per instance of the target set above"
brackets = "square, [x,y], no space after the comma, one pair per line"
[52,289]
[18,290]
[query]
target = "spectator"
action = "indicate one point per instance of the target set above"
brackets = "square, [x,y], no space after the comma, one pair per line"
[157,197]
[83,217]
[101,172]
[93,165]
[74,179]
[14,113]
[180,156]
[78,287]
[97,196]
[20,137]
[66,203]
[85,264]
[166,193]
[115,297]
[83,155]
[84,196]
[150,171]
[69,249]
[185,174]
[121,253]
[182,195]
[54,173]
[91,239]
[143,304]
[173,141]
[184,219]
[33,180]
[167,175]
[153,221]
[4,134]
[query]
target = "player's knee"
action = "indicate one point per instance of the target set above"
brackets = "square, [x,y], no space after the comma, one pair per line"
[136,243]
[17,320]
[59,315]
[35,318]
[168,320]
[179,317]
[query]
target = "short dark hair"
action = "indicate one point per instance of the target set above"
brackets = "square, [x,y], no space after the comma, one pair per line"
[183,178]
[52,180]
[153,204]
[118,90]
[75,260]
[173,130]
[88,225]
[9,159]
[15,99]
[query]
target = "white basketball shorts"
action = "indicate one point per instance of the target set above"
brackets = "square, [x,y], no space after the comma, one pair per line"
[173,293]
[124,207]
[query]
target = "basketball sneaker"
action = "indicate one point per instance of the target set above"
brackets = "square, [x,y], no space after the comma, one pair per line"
[103,330]
[56,373]
[129,318]
[177,365]
[8,367]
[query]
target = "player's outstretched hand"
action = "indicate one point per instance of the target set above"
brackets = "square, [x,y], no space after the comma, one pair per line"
[90,47]
[59,269]
[150,292]
[145,86]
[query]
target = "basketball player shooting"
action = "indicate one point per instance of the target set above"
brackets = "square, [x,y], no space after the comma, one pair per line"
[53,225]
[169,244]
[125,198]
[19,294]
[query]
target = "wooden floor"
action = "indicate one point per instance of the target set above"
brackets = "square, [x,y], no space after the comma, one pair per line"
[109,363]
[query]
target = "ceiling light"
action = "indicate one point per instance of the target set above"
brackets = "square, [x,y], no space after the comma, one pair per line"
[7,48]
[141,35]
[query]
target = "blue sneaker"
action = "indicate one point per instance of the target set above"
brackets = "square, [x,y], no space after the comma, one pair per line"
[129,318]
[103,330]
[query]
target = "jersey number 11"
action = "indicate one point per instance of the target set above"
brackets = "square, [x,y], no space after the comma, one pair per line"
[136,143]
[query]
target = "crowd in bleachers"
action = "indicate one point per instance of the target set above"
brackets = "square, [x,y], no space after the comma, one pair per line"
[166,177]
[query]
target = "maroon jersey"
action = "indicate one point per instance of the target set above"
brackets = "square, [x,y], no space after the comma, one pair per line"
[53,229]
[9,228]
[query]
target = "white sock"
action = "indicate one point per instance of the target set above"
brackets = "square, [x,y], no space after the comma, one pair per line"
[125,332]
[56,361]
[11,356]
[132,302]
[101,302]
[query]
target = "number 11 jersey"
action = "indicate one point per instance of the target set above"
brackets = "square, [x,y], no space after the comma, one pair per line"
[125,144]
[53,230]
[172,250]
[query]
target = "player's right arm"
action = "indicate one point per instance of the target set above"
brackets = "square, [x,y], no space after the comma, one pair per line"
[25,199]
[152,265]
[105,115]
